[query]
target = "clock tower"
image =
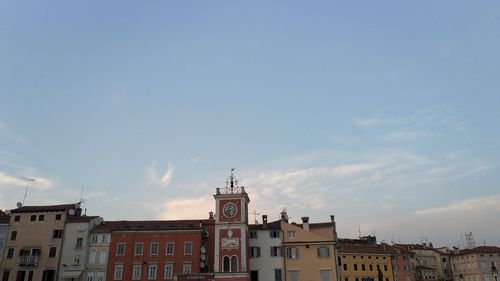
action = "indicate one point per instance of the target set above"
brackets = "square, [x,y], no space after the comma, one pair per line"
[231,232]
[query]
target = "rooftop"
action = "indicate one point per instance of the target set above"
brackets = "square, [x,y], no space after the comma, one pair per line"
[110,226]
[45,208]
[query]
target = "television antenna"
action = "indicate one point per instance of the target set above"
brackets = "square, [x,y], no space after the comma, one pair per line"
[28,181]
[255,214]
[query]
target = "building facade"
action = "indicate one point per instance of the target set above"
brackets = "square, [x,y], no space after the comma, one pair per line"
[34,242]
[310,252]
[476,264]
[266,252]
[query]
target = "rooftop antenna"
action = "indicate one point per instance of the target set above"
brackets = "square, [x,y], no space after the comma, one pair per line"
[28,181]
[359,231]
[469,239]
[255,214]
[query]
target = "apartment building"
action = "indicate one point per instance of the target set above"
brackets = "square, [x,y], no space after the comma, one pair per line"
[367,262]
[157,250]
[75,245]
[310,252]
[4,227]
[476,264]
[266,252]
[98,251]
[34,242]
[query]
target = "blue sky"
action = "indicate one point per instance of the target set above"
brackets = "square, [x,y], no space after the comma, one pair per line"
[383,113]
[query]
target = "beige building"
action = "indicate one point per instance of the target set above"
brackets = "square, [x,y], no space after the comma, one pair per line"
[476,264]
[34,240]
[310,252]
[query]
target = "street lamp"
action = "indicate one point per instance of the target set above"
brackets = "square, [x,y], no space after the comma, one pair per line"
[494,271]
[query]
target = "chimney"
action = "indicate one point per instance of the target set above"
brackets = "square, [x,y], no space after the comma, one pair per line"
[264,221]
[332,219]
[305,223]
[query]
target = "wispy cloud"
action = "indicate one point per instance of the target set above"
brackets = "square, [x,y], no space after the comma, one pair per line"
[182,208]
[39,183]
[368,122]
[163,180]
[466,205]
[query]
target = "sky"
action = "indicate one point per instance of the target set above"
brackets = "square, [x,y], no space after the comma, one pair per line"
[382,113]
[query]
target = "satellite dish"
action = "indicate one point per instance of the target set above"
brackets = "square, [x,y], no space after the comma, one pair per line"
[202,264]
[71,212]
[19,204]
[203,249]
[203,257]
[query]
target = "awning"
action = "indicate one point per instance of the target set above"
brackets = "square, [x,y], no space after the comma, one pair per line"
[71,274]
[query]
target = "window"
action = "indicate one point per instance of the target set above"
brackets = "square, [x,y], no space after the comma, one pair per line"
[186,267]
[13,235]
[139,246]
[170,248]
[325,275]
[92,256]
[90,276]
[154,249]
[10,253]
[276,251]
[346,279]
[253,234]
[103,257]
[323,252]
[5,276]
[79,242]
[41,217]
[33,218]
[103,238]
[100,276]
[355,267]
[188,248]
[274,234]
[254,275]
[277,274]
[118,271]
[136,272]
[291,234]
[93,238]
[52,252]
[234,264]
[292,253]
[120,249]
[370,266]
[57,233]
[152,271]
[254,252]
[76,259]
[169,268]
[294,275]
[363,267]
[58,217]
[345,266]
[17,218]
[226,264]
[385,267]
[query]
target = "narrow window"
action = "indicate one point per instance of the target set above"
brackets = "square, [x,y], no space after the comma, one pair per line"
[225,264]
[41,217]
[118,272]
[33,218]
[234,264]
[154,249]
[139,246]
[152,271]
[170,248]
[17,218]
[79,242]
[52,252]
[188,248]
[136,272]
[169,271]
[13,235]
[58,217]
[120,249]
[10,253]
[186,267]
[277,274]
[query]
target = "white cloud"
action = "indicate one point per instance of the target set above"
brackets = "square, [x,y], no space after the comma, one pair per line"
[471,204]
[39,183]
[187,208]
[405,135]
[368,122]
[166,177]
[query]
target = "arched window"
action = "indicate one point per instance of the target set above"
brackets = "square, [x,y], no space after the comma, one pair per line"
[225,264]
[234,264]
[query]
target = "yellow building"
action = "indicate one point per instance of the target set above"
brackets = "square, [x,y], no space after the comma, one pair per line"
[309,251]
[366,262]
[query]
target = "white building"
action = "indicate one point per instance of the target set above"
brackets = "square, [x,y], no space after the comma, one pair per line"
[266,255]
[75,247]
[97,261]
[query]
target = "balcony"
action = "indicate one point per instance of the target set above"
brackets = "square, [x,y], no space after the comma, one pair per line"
[28,261]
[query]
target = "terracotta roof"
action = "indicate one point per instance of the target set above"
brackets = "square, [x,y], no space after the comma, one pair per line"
[45,208]
[367,249]
[81,218]
[479,250]
[414,246]
[110,226]
[270,225]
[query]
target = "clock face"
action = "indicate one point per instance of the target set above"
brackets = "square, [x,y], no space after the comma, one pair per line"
[230,210]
